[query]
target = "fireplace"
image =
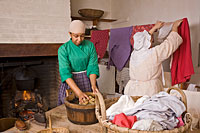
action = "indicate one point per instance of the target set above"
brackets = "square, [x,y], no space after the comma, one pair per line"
[21,95]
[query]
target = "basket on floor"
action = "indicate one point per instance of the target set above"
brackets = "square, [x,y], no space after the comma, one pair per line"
[107,126]
[54,130]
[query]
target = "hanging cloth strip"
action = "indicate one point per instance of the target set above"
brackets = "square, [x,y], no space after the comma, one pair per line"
[182,67]
[140,28]
[100,41]
[119,47]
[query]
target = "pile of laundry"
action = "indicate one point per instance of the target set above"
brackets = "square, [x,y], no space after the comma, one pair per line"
[162,111]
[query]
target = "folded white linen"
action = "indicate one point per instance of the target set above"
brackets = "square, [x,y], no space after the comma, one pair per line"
[147,125]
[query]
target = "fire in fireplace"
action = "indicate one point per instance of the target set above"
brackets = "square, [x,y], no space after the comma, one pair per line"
[25,105]
[42,58]
[27,96]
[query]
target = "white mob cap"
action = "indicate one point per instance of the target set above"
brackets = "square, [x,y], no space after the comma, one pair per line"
[77,26]
[142,40]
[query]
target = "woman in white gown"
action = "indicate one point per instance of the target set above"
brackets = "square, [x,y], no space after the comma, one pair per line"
[146,63]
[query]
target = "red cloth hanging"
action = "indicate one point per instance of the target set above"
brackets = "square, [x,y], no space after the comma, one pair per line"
[100,40]
[182,67]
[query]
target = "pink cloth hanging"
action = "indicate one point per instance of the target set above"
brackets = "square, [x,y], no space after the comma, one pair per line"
[140,28]
[182,67]
[100,41]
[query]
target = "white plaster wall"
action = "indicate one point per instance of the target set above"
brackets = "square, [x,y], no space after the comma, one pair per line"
[94,4]
[138,12]
[34,20]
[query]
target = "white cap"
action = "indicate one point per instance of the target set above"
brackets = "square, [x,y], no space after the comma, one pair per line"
[142,40]
[77,26]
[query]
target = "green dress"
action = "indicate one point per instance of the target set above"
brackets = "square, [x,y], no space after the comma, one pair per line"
[73,58]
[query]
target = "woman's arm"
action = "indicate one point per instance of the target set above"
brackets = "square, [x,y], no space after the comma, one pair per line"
[93,82]
[158,25]
[82,96]
[171,43]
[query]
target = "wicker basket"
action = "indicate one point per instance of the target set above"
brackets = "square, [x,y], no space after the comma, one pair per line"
[54,130]
[91,13]
[107,126]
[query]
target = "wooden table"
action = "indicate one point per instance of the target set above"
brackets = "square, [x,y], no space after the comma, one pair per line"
[59,119]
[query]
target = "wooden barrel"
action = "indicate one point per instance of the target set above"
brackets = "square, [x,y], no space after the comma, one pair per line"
[81,114]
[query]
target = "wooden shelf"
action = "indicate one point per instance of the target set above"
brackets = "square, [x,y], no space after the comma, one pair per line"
[94,20]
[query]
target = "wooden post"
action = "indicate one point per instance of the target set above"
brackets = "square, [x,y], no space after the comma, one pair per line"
[95,22]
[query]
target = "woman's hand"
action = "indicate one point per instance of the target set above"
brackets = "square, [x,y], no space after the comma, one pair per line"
[95,89]
[158,24]
[176,24]
[82,97]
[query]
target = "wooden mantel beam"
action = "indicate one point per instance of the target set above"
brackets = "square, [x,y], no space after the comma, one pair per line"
[29,49]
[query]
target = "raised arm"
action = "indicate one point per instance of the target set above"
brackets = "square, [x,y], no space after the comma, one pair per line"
[158,25]
[169,46]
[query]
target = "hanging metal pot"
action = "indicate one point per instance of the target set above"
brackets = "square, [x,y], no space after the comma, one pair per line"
[25,78]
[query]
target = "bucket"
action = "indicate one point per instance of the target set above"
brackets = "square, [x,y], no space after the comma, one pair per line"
[81,114]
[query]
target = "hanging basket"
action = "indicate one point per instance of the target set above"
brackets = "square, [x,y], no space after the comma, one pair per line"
[54,130]
[109,127]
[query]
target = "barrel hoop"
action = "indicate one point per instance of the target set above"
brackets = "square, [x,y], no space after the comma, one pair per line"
[80,110]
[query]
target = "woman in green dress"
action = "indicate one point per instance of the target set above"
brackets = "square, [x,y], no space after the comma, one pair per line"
[78,64]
